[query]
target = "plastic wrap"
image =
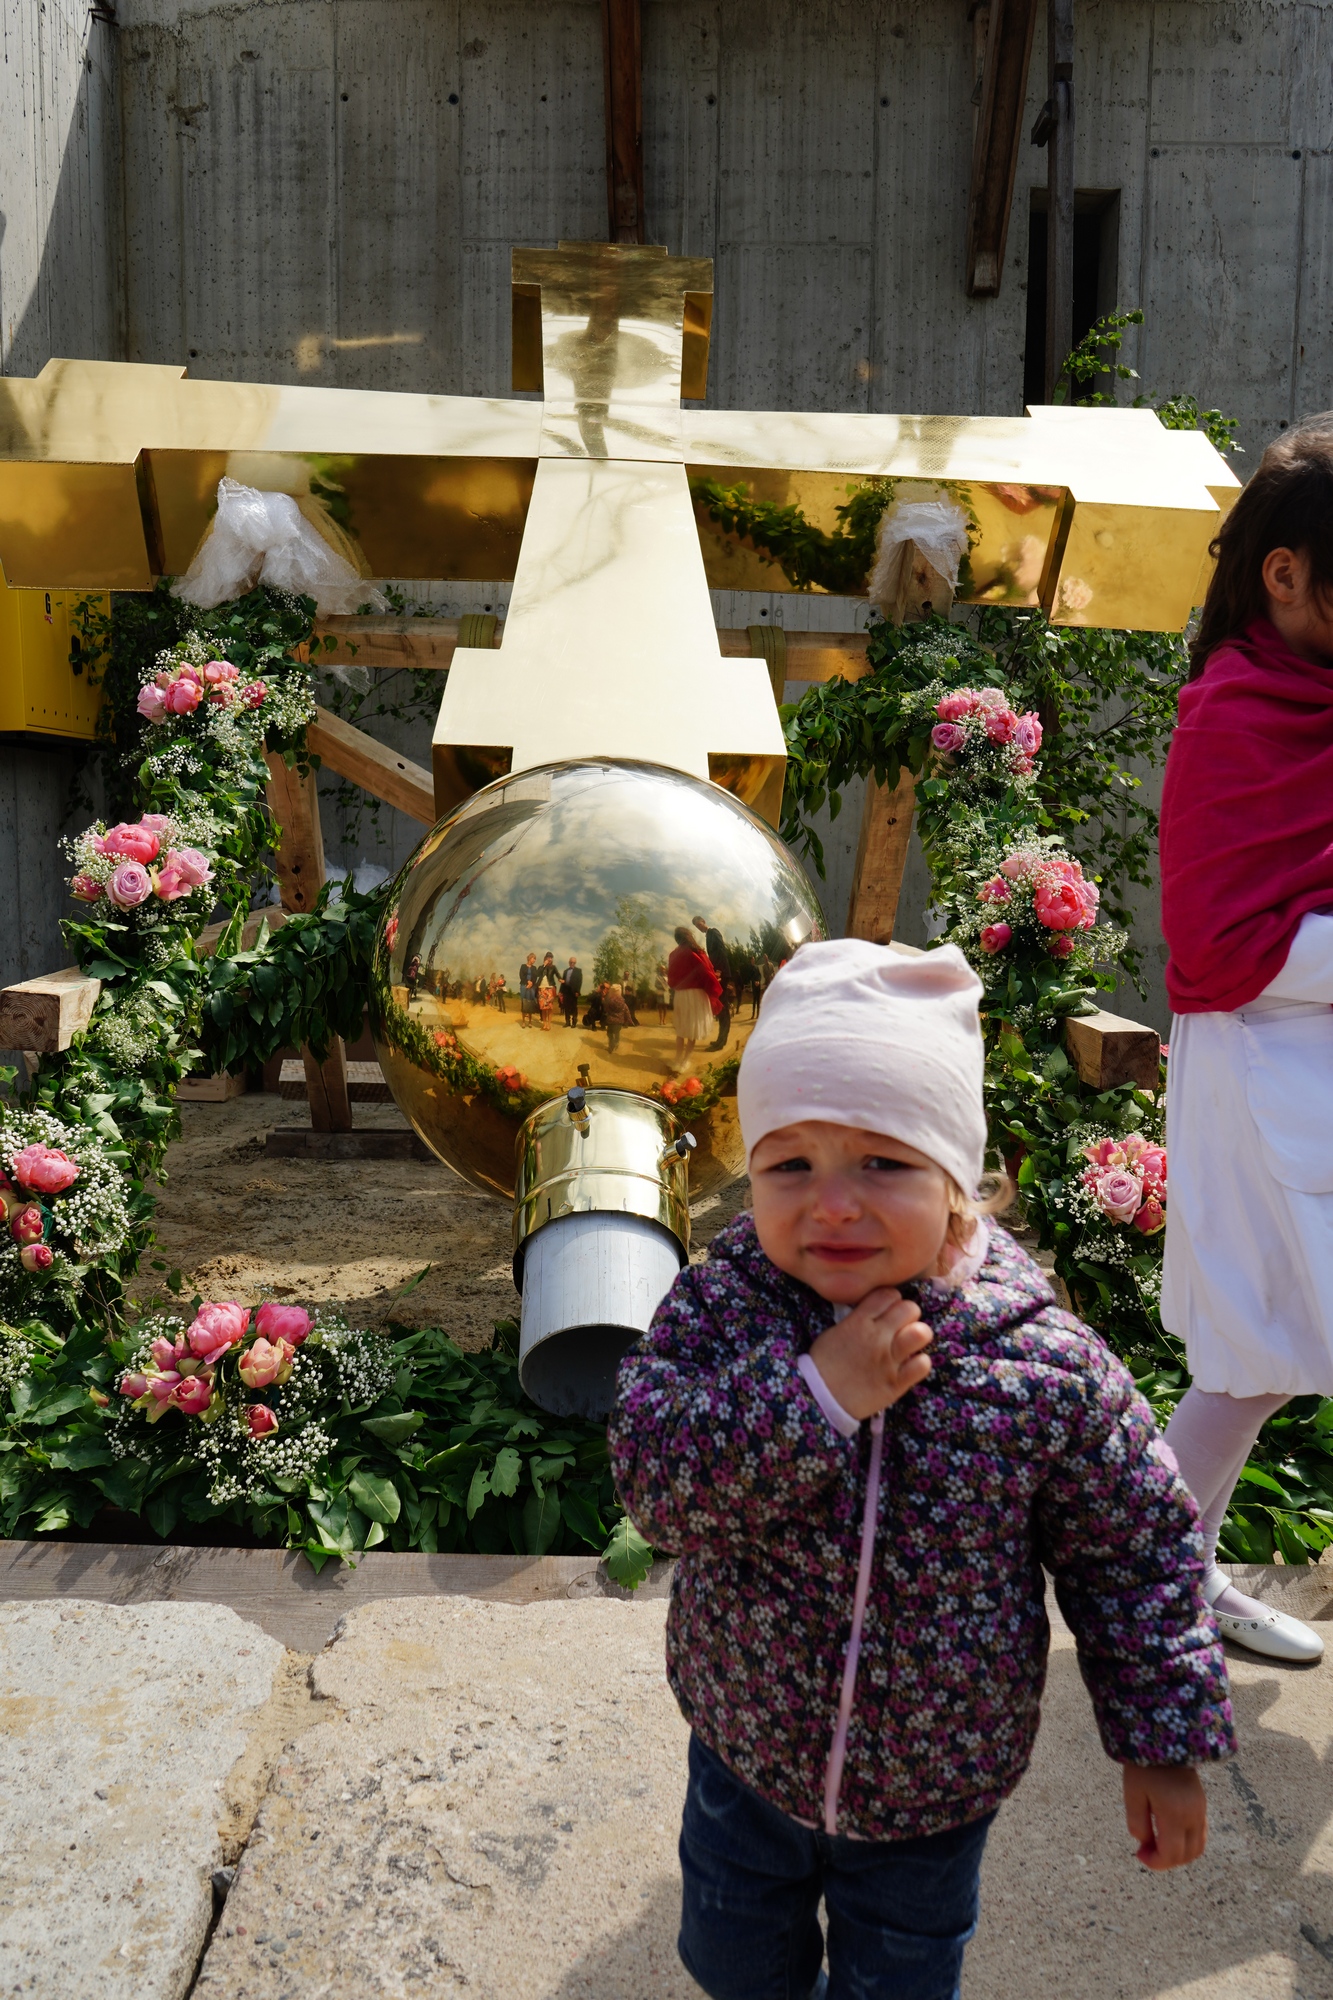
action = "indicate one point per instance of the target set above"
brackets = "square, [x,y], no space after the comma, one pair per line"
[264,538]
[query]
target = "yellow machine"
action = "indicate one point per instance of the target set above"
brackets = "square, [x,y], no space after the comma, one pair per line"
[40,691]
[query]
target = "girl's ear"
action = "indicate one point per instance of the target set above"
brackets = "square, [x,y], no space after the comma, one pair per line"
[1286,574]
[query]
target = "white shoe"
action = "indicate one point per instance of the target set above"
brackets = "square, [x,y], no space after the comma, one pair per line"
[1276,1635]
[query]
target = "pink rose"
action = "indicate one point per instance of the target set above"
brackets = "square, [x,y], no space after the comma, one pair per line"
[260,1419]
[190,674]
[1152,1165]
[289,1323]
[1092,897]
[193,1394]
[254,694]
[85,889]
[1151,1217]
[265,1362]
[948,737]
[134,1385]
[168,885]
[1000,724]
[192,866]
[1118,1194]
[132,843]
[1020,867]
[1059,906]
[182,697]
[130,885]
[157,823]
[36,1257]
[215,1328]
[27,1226]
[164,1352]
[1060,946]
[955,706]
[1027,734]
[218,671]
[45,1169]
[990,699]
[997,890]
[161,1386]
[1105,1153]
[152,705]
[995,937]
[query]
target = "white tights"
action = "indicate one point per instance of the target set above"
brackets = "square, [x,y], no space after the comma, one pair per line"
[1211,1436]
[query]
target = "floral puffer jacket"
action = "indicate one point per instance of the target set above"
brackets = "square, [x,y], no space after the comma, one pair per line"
[1027,1447]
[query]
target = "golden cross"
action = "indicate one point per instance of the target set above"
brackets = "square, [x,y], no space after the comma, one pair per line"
[108,472]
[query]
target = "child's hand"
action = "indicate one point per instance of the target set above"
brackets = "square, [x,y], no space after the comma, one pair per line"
[1167,1813]
[876,1355]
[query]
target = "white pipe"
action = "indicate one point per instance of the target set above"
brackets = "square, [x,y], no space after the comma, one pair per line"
[591,1284]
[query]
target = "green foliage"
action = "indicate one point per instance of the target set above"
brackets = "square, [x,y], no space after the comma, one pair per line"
[1098,354]
[300,986]
[454,1457]
[808,557]
[1107,702]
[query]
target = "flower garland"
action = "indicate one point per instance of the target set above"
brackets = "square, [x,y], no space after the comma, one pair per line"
[65,1207]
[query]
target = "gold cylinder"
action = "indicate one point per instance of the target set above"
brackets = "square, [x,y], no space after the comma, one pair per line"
[615,1158]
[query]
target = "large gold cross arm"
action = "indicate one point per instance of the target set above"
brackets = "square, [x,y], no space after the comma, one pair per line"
[108,476]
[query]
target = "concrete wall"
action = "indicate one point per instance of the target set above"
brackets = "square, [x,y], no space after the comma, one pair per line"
[327,192]
[59,294]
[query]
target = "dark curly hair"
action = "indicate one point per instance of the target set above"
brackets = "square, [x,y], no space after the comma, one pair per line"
[1287,504]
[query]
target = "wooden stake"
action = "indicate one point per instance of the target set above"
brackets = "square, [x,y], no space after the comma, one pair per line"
[622,59]
[1060,200]
[999,133]
[881,856]
[294,803]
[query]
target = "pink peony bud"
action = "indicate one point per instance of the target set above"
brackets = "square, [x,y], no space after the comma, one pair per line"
[995,937]
[36,1257]
[215,671]
[260,1419]
[193,1394]
[182,697]
[1020,867]
[1060,946]
[134,1385]
[135,842]
[215,1328]
[85,889]
[1105,1153]
[1118,1194]
[163,1352]
[955,706]
[162,1386]
[45,1169]
[157,823]
[254,694]
[1027,734]
[187,673]
[265,1362]
[152,704]
[997,890]
[1151,1217]
[947,737]
[289,1323]
[27,1226]
[129,886]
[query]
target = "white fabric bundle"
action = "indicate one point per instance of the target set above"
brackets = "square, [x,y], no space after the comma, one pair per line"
[265,538]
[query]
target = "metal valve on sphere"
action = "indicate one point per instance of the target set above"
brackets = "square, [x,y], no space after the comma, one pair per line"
[602,1106]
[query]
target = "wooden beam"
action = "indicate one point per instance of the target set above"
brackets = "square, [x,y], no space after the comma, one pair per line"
[881,856]
[45,1014]
[294,802]
[999,134]
[378,770]
[622,63]
[1108,1051]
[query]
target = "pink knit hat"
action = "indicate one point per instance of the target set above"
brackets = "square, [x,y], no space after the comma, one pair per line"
[880,1040]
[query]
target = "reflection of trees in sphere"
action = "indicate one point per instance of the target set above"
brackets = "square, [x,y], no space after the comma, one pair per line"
[596,861]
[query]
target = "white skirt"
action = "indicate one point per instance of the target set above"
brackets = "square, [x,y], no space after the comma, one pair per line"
[1248,1277]
[691,1016]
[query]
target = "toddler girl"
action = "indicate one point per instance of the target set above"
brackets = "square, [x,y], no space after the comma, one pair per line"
[1247,891]
[865,1427]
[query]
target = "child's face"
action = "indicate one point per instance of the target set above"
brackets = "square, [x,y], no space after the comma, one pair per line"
[847,1212]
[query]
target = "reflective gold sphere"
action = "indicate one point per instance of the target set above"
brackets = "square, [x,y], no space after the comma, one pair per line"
[603,863]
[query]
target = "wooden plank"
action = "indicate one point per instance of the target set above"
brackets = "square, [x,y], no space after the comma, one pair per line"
[622,65]
[387,642]
[278,1590]
[1060,186]
[999,135]
[1108,1050]
[294,802]
[372,765]
[45,1014]
[811,656]
[365,1082]
[220,1088]
[881,856]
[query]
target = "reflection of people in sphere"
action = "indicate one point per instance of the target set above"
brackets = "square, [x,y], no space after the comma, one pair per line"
[527,989]
[661,992]
[616,1014]
[720,960]
[698,996]
[547,981]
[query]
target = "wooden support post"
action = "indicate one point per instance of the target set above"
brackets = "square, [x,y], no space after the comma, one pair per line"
[1108,1050]
[294,803]
[1060,182]
[622,60]
[44,1015]
[364,761]
[1004,82]
[881,856]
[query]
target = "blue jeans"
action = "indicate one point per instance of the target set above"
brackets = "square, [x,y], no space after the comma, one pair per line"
[899,1912]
